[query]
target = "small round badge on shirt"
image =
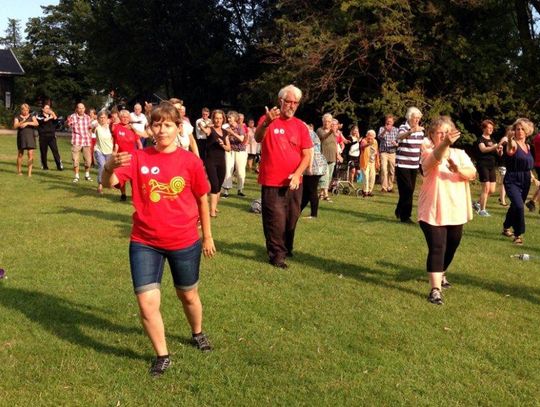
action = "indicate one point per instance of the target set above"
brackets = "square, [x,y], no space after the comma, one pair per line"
[154,170]
[144,170]
[276,131]
[281,131]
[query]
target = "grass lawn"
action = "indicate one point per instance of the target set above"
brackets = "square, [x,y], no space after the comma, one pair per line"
[347,324]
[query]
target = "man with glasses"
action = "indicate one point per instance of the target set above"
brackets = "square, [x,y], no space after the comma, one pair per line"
[286,151]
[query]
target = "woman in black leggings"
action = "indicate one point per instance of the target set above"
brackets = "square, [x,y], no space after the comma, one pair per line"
[311,177]
[217,143]
[444,203]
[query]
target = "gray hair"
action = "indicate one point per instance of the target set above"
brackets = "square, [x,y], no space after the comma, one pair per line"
[412,111]
[123,112]
[371,132]
[290,89]
[327,116]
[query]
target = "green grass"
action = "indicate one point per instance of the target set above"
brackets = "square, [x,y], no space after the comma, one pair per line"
[347,324]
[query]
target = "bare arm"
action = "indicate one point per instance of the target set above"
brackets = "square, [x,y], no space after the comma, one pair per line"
[439,152]
[193,145]
[116,160]
[484,149]
[307,154]
[271,115]
[209,248]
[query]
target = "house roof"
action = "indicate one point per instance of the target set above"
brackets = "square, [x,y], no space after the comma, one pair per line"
[9,65]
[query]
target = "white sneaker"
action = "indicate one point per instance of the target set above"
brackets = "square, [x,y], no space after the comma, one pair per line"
[75,180]
[483,212]
[476,206]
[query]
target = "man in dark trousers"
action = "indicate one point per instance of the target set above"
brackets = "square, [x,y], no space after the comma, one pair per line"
[286,151]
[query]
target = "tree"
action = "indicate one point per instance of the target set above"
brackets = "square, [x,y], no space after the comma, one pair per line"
[13,34]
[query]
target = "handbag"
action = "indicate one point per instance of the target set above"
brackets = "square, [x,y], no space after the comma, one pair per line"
[319,165]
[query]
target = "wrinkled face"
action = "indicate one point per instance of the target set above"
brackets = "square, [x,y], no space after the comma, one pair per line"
[231,119]
[205,114]
[389,122]
[370,136]
[182,111]
[165,132]
[439,134]
[489,130]
[25,110]
[326,122]
[414,120]
[240,118]
[217,120]
[125,118]
[137,109]
[288,105]
[80,109]
[335,126]
[102,119]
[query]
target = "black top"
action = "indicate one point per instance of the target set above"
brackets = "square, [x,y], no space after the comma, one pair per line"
[46,128]
[488,159]
[214,150]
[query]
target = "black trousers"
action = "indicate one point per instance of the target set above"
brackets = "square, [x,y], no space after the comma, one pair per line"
[201,145]
[442,242]
[406,181]
[309,193]
[44,143]
[280,212]
[215,169]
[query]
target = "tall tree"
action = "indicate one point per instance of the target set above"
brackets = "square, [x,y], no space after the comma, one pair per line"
[13,37]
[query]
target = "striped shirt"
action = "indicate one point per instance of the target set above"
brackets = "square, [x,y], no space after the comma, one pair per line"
[80,129]
[387,139]
[408,151]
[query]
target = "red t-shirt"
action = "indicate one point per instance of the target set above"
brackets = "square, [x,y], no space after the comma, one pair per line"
[536,143]
[125,138]
[281,150]
[165,190]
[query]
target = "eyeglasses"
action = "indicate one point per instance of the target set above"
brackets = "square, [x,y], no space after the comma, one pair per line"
[290,102]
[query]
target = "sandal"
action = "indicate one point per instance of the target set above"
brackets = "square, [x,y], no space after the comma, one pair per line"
[507,233]
[518,240]
[502,203]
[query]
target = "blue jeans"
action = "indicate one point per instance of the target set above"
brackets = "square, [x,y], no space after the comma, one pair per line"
[147,264]
[100,159]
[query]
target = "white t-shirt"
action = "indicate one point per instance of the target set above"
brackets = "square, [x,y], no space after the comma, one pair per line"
[138,122]
[201,135]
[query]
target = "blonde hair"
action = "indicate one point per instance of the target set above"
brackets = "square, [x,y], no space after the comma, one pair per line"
[527,125]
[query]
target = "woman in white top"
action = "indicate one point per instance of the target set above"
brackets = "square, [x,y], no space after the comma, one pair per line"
[354,154]
[104,145]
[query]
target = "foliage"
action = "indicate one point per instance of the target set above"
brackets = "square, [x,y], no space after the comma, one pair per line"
[13,37]
[347,324]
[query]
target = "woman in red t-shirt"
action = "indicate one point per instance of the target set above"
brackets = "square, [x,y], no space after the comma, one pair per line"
[170,196]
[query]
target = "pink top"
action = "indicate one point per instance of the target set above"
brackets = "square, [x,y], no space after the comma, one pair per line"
[445,197]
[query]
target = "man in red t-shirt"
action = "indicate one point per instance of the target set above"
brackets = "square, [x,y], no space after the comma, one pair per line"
[536,197]
[286,150]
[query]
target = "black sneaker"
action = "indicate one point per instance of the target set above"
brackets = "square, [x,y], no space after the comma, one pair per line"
[435,296]
[159,365]
[445,283]
[530,204]
[240,193]
[201,342]
[225,195]
[279,264]
[123,197]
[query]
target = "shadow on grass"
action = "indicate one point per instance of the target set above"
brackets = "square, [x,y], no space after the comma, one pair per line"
[123,221]
[376,277]
[529,294]
[67,320]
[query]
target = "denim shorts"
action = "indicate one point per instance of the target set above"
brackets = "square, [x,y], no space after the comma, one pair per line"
[147,264]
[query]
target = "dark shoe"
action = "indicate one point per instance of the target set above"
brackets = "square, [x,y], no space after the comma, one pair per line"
[370,194]
[159,365]
[225,195]
[531,205]
[240,193]
[45,168]
[445,283]
[435,296]
[409,221]
[502,203]
[201,342]
[289,254]
[123,197]
[279,264]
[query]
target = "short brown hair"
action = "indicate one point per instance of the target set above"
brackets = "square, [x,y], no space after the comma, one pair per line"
[165,112]
[486,123]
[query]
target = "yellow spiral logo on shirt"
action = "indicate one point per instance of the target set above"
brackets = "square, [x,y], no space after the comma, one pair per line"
[159,189]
